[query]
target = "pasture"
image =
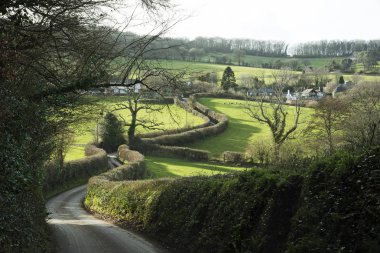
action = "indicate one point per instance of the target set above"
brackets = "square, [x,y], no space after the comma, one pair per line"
[242,130]
[170,117]
[257,61]
[240,71]
[159,167]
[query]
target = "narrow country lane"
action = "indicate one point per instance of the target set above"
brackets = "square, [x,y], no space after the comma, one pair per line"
[75,230]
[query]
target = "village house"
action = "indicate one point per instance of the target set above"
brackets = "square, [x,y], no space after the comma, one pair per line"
[122,88]
[309,94]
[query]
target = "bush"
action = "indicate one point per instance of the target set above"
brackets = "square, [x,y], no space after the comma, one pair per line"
[260,151]
[112,133]
[233,157]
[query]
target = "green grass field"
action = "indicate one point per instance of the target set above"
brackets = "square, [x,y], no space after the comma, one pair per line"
[219,68]
[242,130]
[171,117]
[257,61]
[169,167]
[241,70]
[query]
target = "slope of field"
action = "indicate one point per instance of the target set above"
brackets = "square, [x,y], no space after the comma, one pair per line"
[242,130]
[240,71]
[170,117]
[257,61]
[170,167]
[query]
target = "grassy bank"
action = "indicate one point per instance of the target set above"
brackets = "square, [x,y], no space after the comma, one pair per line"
[330,208]
[240,71]
[159,167]
[242,130]
[170,117]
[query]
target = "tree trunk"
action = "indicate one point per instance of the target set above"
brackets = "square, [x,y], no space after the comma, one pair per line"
[132,129]
[277,147]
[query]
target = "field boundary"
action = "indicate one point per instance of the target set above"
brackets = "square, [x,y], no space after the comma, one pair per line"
[168,144]
[74,172]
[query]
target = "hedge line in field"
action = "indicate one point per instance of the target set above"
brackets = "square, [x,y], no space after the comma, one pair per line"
[332,208]
[223,213]
[176,139]
[94,162]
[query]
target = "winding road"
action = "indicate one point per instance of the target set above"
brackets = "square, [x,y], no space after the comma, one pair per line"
[76,230]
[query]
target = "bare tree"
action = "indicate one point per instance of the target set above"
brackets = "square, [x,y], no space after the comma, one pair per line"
[149,79]
[134,105]
[268,107]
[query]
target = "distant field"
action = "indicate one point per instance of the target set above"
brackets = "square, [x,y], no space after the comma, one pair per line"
[219,68]
[241,131]
[169,167]
[170,117]
[257,61]
[241,71]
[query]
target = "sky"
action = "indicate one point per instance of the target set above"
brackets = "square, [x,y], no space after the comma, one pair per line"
[293,21]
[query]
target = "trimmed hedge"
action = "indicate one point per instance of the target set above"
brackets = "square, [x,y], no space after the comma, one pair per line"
[95,162]
[174,152]
[186,107]
[333,208]
[219,95]
[133,170]
[204,214]
[340,208]
[220,120]
[233,157]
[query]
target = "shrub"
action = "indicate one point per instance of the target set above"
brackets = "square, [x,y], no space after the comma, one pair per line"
[233,157]
[260,151]
[112,133]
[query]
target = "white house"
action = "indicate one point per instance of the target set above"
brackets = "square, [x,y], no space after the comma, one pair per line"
[122,88]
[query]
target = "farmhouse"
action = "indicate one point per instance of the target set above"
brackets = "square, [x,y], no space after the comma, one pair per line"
[260,92]
[121,88]
[309,94]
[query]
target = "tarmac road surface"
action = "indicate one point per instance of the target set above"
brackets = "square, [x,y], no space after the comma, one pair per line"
[76,230]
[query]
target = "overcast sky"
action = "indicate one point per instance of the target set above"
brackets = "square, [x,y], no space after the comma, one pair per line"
[290,20]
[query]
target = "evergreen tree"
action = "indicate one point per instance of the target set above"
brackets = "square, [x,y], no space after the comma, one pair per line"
[341,80]
[111,133]
[228,79]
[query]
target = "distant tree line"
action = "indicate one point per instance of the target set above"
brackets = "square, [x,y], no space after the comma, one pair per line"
[334,48]
[233,52]
[184,49]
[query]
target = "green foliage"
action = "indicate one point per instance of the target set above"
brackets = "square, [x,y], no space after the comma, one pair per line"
[228,79]
[332,208]
[111,133]
[159,167]
[22,210]
[241,130]
[175,152]
[233,157]
[74,171]
[205,214]
[340,207]
[341,80]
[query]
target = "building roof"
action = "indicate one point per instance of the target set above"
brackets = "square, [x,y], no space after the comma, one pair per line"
[308,91]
